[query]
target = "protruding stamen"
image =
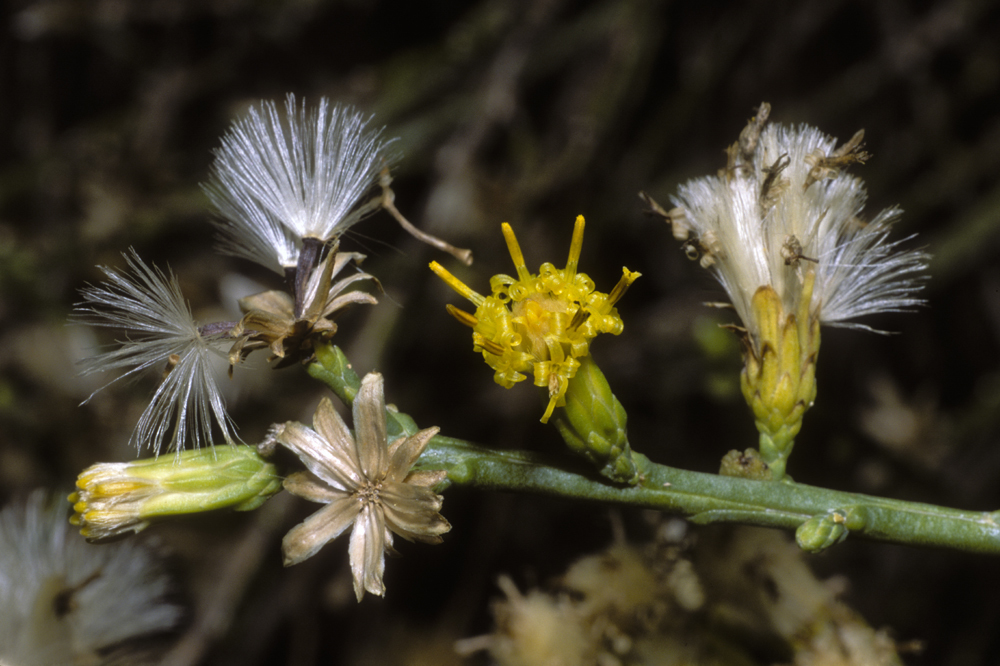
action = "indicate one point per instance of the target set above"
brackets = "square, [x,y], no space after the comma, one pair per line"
[578,319]
[575,246]
[515,252]
[553,396]
[456,284]
[462,316]
[628,277]
[487,345]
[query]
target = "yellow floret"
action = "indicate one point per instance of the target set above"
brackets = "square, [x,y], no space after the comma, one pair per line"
[539,324]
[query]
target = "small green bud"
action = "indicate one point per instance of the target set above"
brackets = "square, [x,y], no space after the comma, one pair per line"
[592,423]
[114,498]
[333,369]
[828,529]
[746,465]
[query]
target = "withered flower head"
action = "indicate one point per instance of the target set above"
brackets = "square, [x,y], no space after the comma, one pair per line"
[365,481]
[785,217]
[287,325]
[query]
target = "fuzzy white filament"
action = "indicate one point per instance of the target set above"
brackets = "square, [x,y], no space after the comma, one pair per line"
[161,334]
[767,220]
[277,180]
[66,601]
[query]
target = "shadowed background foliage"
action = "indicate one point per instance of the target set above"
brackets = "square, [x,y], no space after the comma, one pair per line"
[529,112]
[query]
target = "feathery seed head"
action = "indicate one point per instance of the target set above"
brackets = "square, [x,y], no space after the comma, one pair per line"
[162,335]
[66,601]
[785,207]
[781,228]
[278,179]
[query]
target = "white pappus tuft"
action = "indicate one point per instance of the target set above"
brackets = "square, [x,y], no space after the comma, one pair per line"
[277,180]
[785,206]
[161,334]
[66,601]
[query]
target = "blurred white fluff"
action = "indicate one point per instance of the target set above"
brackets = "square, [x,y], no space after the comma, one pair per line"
[65,601]
[277,180]
[162,335]
[789,208]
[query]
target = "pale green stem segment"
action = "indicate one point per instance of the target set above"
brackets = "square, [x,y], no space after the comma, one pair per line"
[820,517]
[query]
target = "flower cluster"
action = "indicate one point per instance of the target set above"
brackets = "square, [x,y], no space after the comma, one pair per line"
[286,189]
[539,324]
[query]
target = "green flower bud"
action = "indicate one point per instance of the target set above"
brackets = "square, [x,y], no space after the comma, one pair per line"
[828,529]
[592,423]
[115,498]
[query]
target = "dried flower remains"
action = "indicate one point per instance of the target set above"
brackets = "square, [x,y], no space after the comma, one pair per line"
[286,189]
[785,209]
[365,481]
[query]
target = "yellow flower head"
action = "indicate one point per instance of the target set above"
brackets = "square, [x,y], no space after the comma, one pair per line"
[539,324]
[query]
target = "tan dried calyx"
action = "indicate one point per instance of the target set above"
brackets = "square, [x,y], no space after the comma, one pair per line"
[287,326]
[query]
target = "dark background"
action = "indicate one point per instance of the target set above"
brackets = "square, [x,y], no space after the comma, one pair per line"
[527,112]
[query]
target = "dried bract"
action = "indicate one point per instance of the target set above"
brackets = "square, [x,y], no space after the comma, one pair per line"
[273,319]
[365,481]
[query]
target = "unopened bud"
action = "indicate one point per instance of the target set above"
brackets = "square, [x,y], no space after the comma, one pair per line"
[828,529]
[592,423]
[115,498]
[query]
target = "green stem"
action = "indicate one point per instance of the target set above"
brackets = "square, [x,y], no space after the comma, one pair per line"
[710,498]
[820,517]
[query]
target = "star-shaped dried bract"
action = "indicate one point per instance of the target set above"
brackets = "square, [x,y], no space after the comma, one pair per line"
[365,481]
